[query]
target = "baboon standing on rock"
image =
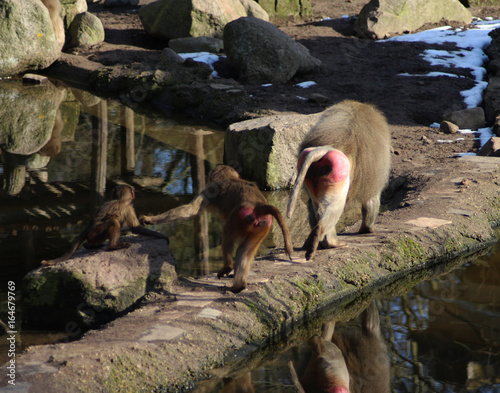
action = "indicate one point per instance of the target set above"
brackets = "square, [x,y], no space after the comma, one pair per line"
[346,156]
[247,215]
[108,223]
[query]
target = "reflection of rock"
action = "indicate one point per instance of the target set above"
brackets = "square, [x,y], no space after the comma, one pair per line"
[86,98]
[37,161]
[31,122]
[28,39]
[28,115]
[70,112]
[14,167]
[96,286]
[53,146]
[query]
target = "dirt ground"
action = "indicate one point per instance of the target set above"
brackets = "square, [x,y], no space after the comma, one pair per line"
[353,68]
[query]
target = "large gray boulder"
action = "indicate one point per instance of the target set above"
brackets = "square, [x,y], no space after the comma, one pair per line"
[194,18]
[262,53]
[28,39]
[382,18]
[95,286]
[265,150]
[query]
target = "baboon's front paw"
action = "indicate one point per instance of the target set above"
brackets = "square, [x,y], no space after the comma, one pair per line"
[119,246]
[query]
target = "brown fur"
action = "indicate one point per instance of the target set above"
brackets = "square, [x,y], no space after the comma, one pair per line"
[361,132]
[247,217]
[108,223]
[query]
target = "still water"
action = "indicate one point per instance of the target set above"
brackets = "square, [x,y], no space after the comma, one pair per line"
[63,150]
[52,183]
[443,335]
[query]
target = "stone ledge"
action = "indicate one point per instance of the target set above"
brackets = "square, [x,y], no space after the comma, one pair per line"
[96,286]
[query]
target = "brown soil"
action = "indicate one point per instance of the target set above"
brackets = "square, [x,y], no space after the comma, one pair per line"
[353,68]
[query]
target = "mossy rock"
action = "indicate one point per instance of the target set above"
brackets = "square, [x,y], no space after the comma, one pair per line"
[94,287]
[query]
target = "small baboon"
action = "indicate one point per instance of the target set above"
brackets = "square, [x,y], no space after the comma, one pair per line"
[108,223]
[346,156]
[247,215]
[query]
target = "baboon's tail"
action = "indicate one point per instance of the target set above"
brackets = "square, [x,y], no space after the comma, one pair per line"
[274,211]
[314,155]
[78,242]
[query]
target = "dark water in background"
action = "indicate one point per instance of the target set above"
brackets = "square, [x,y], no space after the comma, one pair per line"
[443,335]
[57,198]
[47,201]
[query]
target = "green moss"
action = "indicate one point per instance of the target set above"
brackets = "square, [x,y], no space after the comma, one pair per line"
[410,249]
[451,245]
[402,251]
[125,376]
[311,290]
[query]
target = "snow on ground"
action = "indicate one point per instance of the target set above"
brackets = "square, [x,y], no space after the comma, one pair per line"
[203,57]
[469,54]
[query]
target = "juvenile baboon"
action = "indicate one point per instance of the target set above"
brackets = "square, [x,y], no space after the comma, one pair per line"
[345,157]
[54,7]
[108,223]
[247,215]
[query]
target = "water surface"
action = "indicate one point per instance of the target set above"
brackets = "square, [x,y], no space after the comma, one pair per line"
[443,335]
